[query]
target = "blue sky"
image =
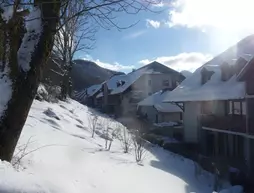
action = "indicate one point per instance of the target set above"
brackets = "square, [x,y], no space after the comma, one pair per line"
[183,36]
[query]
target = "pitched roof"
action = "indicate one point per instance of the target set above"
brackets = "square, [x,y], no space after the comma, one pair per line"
[156,100]
[152,68]
[90,91]
[191,88]
[130,79]
[112,83]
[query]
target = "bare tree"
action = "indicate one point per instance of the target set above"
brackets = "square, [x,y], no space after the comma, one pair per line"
[76,34]
[27,30]
[125,139]
[139,146]
[114,135]
[106,124]
[93,121]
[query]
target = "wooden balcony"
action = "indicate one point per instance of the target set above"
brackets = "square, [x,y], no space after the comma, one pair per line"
[235,123]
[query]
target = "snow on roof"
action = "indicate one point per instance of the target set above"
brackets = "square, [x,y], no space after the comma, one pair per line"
[131,78]
[112,83]
[191,88]
[156,100]
[90,91]
[93,89]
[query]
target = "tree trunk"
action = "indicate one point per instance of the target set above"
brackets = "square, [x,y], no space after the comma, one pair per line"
[25,84]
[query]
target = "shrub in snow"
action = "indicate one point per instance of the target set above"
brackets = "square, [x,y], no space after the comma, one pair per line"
[20,153]
[48,93]
[93,121]
[42,93]
[49,112]
[125,138]
[139,146]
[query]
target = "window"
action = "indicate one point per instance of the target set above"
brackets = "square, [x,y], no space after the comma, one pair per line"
[165,83]
[149,82]
[237,108]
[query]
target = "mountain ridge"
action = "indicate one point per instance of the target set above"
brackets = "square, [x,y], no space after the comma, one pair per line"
[85,73]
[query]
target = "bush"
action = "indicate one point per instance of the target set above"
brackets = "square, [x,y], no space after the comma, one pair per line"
[125,139]
[139,146]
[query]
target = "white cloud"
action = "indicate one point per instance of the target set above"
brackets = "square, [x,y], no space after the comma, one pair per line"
[162,3]
[153,23]
[158,4]
[115,66]
[184,61]
[222,14]
[135,34]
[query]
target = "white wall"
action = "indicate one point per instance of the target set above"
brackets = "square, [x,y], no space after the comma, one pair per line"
[191,121]
[142,84]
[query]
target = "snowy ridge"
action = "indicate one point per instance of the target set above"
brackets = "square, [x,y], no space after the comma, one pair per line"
[156,100]
[191,88]
[70,160]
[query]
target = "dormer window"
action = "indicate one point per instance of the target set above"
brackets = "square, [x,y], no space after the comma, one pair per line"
[227,71]
[239,65]
[120,83]
[206,75]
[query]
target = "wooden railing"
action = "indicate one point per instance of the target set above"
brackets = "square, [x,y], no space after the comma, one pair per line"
[235,123]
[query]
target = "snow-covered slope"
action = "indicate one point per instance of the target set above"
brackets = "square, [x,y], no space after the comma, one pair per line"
[64,158]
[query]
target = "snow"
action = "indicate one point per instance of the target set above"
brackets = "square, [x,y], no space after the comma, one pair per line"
[5,90]
[156,100]
[112,82]
[30,39]
[42,90]
[7,11]
[90,91]
[165,124]
[131,78]
[67,159]
[191,88]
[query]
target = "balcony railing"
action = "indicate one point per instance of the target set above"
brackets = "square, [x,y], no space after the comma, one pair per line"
[235,123]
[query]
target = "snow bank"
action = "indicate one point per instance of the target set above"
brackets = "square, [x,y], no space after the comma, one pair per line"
[13,181]
[65,158]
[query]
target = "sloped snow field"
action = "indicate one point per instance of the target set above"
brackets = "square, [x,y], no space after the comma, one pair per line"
[62,157]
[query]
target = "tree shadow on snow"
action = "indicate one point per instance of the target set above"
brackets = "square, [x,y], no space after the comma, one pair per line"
[180,167]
